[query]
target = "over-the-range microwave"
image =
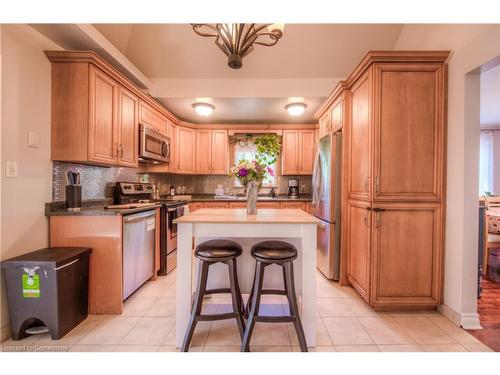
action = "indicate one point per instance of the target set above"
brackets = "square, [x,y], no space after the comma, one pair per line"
[154,146]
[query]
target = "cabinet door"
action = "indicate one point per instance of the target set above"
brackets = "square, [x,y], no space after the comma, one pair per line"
[172,134]
[407,255]
[358,141]
[324,124]
[216,204]
[237,204]
[297,205]
[220,157]
[103,138]
[268,204]
[185,139]
[203,151]
[290,154]
[306,151]
[195,206]
[358,245]
[337,114]
[128,128]
[408,137]
[151,117]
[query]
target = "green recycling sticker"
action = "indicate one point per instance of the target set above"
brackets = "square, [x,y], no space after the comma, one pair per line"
[31,286]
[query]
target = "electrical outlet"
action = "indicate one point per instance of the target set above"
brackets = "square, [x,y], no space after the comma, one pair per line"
[10,169]
[33,140]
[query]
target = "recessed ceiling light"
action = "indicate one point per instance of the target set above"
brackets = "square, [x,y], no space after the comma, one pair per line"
[296,109]
[203,109]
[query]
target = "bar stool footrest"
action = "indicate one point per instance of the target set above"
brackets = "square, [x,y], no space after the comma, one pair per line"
[217,291]
[275,319]
[210,317]
[273,291]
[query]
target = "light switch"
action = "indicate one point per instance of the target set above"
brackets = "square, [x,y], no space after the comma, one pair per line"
[10,169]
[33,140]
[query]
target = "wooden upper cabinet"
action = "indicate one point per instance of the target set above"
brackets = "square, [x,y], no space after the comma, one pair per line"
[103,135]
[325,124]
[358,141]
[337,116]
[407,259]
[408,132]
[185,149]
[219,154]
[289,153]
[203,151]
[172,134]
[128,128]
[306,151]
[152,117]
[358,242]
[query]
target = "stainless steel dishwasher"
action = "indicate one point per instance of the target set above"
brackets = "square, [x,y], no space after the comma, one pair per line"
[138,249]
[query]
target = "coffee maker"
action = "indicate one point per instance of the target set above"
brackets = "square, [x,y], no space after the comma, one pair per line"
[293,188]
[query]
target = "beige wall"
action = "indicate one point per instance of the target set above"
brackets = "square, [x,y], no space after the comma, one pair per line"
[472,46]
[25,103]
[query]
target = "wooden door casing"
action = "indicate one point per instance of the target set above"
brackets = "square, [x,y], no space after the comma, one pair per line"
[219,157]
[359,248]
[407,256]
[359,140]
[102,137]
[408,132]
[203,154]
[128,128]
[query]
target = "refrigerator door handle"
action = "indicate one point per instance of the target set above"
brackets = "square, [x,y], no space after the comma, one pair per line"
[317,180]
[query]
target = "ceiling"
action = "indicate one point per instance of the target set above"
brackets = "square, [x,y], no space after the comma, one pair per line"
[181,66]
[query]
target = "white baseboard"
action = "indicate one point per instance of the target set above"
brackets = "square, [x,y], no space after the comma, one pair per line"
[470,321]
[464,320]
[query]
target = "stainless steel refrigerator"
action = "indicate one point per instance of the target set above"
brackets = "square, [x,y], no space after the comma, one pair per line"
[326,202]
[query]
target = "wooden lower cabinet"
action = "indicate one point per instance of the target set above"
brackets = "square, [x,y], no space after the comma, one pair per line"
[358,245]
[215,204]
[394,253]
[299,205]
[193,206]
[407,255]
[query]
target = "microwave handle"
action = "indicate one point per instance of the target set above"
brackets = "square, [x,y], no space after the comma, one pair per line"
[165,149]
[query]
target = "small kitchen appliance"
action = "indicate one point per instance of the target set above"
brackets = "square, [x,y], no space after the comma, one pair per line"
[293,188]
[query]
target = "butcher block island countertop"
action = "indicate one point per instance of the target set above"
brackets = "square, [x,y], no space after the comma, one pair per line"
[291,225]
[239,215]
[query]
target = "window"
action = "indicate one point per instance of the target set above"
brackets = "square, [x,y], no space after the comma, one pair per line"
[486,162]
[247,152]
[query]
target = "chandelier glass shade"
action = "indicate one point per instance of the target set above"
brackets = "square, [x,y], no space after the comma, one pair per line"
[236,40]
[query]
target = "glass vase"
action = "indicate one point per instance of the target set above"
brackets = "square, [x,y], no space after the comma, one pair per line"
[252,191]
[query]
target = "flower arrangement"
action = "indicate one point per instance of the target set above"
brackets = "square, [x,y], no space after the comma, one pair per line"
[246,171]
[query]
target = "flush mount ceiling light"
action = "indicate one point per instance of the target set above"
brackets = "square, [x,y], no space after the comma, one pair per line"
[236,40]
[203,109]
[296,109]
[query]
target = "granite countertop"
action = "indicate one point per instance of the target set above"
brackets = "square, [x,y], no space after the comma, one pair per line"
[281,198]
[92,208]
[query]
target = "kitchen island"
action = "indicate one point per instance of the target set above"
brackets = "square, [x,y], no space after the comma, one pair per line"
[291,225]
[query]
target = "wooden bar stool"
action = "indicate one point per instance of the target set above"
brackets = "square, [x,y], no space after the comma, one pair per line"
[283,254]
[211,252]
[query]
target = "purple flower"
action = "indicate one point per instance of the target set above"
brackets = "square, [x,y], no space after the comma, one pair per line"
[270,171]
[243,172]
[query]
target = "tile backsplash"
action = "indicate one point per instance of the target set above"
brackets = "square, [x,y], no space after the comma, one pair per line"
[98,182]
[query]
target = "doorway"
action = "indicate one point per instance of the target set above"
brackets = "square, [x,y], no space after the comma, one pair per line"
[488,304]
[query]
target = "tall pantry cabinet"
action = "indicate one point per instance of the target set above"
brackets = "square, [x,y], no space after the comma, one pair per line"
[395,176]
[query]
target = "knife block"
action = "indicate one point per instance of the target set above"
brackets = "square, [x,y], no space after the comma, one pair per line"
[73,197]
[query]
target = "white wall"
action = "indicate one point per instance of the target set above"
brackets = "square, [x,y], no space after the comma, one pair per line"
[472,46]
[490,98]
[25,103]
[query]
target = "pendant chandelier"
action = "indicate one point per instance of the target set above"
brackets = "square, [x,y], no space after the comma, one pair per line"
[236,40]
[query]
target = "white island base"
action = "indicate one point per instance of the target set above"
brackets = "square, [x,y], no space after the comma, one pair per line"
[294,226]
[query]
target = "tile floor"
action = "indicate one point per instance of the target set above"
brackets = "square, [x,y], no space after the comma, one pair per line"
[344,324]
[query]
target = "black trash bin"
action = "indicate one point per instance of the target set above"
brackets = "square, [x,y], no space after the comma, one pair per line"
[47,287]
